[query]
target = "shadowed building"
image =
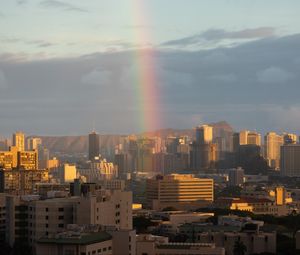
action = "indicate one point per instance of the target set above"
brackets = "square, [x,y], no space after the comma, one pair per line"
[94,148]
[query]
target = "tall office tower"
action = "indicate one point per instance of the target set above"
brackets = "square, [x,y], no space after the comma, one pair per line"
[19,141]
[243,138]
[254,138]
[204,134]
[272,149]
[179,191]
[69,173]
[121,161]
[33,143]
[249,137]
[235,142]
[4,145]
[289,138]
[290,160]
[94,147]
[203,152]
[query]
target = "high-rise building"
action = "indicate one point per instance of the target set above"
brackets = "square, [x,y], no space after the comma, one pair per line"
[254,138]
[203,152]
[273,142]
[21,181]
[290,160]
[204,134]
[290,138]
[121,161]
[249,137]
[33,143]
[179,191]
[69,173]
[19,141]
[94,147]
[243,138]
[27,160]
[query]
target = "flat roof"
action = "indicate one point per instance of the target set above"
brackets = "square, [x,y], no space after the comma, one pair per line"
[83,239]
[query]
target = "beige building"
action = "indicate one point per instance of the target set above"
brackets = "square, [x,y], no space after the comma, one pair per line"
[159,245]
[33,143]
[124,242]
[112,208]
[100,169]
[256,242]
[249,137]
[26,160]
[69,173]
[255,205]
[76,243]
[18,140]
[290,138]
[21,182]
[290,160]
[204,134]
[7,160]
[179,191]
[273,142]
[28,219]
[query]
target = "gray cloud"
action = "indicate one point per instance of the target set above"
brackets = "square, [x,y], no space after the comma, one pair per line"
[204,86]
[97,77]
[3,81]
[224,78]
[61,5]
[274,74]
[220,34]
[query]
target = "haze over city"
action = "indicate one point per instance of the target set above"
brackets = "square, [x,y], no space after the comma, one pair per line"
[149,127]
[67,67]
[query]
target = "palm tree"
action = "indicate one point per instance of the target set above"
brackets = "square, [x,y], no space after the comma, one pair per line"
[239,248]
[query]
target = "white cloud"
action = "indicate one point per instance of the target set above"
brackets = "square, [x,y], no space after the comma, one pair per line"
[97,77]
[274,74]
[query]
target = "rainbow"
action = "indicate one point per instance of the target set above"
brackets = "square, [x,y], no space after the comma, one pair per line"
[146,80]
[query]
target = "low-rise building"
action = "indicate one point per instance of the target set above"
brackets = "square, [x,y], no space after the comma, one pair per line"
[158,245]
[76,243]
[179,191]
[256,242]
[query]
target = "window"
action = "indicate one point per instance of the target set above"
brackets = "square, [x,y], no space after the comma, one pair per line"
[47,225]
[93,252]
[109,248]
[47,209]
[104,249]
[60,225]
[99,250]
[61,217]
[47,217]
[60,209]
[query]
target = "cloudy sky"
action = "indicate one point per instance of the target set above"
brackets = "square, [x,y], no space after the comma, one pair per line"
[66,66]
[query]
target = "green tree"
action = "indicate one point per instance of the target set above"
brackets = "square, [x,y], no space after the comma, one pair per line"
[239,248]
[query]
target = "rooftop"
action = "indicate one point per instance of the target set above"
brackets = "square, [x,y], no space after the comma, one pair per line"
[82,239]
